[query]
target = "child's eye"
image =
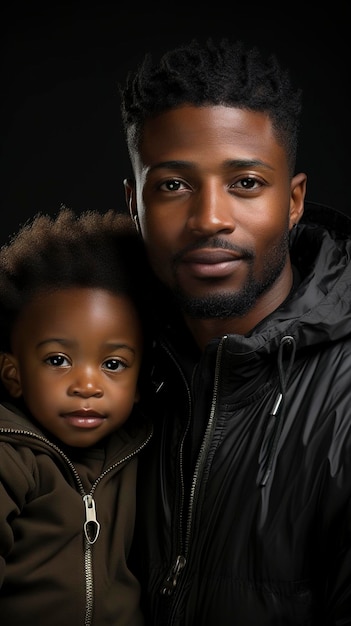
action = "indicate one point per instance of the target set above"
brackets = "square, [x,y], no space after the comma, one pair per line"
[114,365]
[57,360]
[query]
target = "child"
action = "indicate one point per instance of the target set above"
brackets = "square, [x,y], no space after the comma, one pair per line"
[73,342]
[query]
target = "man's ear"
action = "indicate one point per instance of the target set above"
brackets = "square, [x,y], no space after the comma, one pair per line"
[9,374]
[297,197]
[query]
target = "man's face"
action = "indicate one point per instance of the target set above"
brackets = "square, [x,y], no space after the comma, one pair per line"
[215,204]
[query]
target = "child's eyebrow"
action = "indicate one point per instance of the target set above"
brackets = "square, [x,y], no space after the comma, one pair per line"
[69,343]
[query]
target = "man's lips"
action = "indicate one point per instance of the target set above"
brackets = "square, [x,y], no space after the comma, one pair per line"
[210,262]
[84,418]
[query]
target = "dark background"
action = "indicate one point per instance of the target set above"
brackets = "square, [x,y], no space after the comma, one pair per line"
[61,139]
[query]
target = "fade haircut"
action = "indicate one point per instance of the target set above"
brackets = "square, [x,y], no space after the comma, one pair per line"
[95,250]
[224,73]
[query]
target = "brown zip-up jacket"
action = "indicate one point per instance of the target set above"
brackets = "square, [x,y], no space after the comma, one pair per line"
[66,525]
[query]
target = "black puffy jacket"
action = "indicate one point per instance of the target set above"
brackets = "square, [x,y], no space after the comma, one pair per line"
[245,494]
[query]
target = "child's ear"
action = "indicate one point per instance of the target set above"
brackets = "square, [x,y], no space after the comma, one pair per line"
[9,375]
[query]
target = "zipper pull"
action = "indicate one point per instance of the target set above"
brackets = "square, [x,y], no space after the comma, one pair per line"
[170,583]
[91,525]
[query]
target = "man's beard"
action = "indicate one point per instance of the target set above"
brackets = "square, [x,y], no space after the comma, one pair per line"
[237,304]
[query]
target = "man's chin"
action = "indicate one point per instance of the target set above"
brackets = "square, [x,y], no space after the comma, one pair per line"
[214,306]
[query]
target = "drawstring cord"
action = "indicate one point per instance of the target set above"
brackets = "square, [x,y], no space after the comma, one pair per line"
[277,413]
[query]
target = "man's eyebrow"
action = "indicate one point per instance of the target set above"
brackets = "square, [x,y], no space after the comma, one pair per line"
[244,163]
[175,164]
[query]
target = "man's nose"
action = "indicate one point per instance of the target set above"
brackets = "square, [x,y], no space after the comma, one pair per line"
[211,211]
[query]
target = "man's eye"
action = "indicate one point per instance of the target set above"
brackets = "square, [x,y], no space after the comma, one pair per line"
[57,360]
[247,183]
[114,365]
[171,185]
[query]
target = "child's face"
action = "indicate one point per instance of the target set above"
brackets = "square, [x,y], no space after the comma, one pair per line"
[76,355]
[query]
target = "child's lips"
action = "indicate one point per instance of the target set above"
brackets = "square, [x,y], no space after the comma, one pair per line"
[84,418]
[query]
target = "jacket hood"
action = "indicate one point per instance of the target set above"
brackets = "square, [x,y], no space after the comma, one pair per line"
[319,310]
[11,417]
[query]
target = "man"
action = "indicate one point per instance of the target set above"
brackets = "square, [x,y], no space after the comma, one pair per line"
[245,499]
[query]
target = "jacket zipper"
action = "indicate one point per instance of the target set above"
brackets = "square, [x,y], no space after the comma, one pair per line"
[91,525]
[170,583]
